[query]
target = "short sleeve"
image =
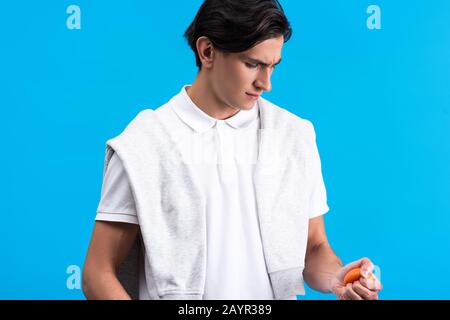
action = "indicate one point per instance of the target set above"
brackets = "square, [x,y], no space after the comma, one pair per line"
[318,194]
[117,201]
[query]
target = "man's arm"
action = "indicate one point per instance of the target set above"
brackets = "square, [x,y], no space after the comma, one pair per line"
[110,244]
[325,272]
[321,263]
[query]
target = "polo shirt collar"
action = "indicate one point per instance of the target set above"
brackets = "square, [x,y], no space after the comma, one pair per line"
[198,120]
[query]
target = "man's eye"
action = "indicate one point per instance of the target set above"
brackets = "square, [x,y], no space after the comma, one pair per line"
[253,66]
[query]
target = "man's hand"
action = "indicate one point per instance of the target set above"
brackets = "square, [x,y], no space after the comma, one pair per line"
[366,288]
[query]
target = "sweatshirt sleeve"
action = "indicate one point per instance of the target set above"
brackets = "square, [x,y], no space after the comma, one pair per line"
[117,201]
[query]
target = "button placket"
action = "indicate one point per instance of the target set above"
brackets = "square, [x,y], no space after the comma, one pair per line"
[225,152]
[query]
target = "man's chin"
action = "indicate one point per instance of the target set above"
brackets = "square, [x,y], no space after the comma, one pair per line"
[248,106]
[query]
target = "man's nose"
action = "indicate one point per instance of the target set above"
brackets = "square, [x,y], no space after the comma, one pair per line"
[263,81]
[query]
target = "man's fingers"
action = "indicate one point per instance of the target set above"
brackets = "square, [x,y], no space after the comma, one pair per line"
[352,265]
[371,283]
[350,294]
[365,293]
[366,267]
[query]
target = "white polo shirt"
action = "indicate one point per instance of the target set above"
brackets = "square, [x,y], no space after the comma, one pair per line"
[223,153]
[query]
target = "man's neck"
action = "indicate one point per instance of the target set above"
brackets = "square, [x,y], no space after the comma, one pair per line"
[205,99]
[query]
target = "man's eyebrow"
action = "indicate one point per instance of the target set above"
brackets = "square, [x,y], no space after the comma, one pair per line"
[256,61]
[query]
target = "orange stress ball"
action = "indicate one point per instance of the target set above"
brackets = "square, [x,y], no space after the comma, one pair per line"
[352,275]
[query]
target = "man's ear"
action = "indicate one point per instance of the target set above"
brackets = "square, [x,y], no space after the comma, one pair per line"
[206,52]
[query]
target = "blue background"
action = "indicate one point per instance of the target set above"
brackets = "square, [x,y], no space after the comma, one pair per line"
[379,100]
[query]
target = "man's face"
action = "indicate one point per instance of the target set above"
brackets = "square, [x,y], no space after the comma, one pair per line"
[236,76]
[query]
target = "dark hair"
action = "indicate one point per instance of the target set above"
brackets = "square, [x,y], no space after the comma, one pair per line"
[237,25]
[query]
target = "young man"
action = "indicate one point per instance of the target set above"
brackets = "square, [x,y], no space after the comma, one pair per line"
[222,188]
